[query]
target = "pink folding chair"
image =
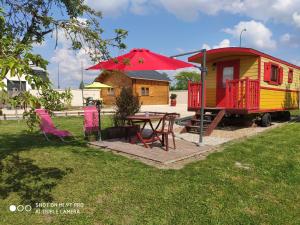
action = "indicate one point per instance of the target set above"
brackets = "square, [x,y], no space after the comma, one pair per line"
[47,126]
[91,120]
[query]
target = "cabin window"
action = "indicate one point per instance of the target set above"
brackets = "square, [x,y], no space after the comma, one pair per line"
[227,74]
[290,76]
[111,91]
[145,91]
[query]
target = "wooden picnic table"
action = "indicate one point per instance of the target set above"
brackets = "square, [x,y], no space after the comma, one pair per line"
[147,119]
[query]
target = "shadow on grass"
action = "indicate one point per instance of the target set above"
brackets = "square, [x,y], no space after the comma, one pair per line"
[21,175]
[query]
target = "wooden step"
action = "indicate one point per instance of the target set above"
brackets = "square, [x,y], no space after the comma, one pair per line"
[195,129]
[210,122]
[198,121]
[196,126]
[207,116]
[215,122]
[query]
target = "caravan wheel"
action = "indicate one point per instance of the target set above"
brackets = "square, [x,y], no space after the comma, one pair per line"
[266,120]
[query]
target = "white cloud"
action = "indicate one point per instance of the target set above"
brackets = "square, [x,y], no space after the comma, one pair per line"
[70,64]
[296,62]
[296,18]
[109,7]
[140,7]
[290,40]
[275,10]
[285,38]
[190,9]
[206,46]
[39,45]
[257,35]
[285,11]
[223,44]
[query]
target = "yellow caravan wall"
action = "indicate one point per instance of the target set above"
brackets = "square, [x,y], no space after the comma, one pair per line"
[248,68]
[286,97]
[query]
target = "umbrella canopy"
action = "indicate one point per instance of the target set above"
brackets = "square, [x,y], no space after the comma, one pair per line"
[141,59]
[96,85]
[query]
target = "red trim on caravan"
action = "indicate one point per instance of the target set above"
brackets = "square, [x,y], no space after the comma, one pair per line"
[271,110]
[238,50]
[278,89]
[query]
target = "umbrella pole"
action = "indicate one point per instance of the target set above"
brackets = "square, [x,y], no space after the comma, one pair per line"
[98,105]
[203,75]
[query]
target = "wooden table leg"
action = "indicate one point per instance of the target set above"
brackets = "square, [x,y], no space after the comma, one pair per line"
[154,134]
[140,136]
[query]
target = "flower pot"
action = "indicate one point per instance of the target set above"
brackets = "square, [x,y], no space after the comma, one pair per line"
[173,102]
[115,132]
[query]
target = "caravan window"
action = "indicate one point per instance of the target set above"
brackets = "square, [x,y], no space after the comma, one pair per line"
[290,76]
[228,73]
[274,73]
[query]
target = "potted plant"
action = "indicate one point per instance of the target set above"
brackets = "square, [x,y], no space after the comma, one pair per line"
[173,99]
[91,136]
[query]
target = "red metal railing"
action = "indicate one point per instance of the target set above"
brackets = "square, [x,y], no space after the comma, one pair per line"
[194,95]
[242,94]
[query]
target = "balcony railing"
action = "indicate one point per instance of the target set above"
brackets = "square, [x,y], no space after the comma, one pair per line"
[194,95]
[240,94]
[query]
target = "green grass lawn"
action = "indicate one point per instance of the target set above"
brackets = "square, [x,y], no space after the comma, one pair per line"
[117,190]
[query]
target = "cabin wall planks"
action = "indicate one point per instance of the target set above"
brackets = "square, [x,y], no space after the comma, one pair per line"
[158,90]
[283,96]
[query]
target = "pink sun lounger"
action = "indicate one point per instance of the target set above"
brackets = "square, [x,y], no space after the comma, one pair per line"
[47,126]
[91,120]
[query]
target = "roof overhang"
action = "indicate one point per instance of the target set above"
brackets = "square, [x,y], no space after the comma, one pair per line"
[215,54]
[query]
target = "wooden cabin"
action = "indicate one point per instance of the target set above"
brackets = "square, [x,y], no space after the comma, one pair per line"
[246,81]
[151,87]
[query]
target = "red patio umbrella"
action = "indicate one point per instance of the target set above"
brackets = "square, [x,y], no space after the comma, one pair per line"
[141,59]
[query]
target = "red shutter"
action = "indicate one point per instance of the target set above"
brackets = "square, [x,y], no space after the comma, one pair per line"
[267,72]
[280,80]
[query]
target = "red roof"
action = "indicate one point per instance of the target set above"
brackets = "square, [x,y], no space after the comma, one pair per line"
[236,51]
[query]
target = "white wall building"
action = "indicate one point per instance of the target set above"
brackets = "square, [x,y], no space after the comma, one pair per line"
[16,84]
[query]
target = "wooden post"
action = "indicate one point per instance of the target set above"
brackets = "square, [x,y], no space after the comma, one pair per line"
[247,93]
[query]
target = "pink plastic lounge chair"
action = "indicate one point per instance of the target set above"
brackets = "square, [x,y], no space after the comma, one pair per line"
[91,120]
[47,126]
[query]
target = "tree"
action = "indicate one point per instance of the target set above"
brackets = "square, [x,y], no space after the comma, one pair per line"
[27,22]
[126,104]
[183,77]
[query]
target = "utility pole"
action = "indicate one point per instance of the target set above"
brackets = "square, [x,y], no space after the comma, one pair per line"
[58,86]
[241,36]
[82,83]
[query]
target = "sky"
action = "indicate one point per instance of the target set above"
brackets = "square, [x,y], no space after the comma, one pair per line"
[171,27]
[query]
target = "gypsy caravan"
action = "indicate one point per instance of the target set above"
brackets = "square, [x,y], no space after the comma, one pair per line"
[243,81]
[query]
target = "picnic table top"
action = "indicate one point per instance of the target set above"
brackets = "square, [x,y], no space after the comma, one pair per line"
[145,117]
